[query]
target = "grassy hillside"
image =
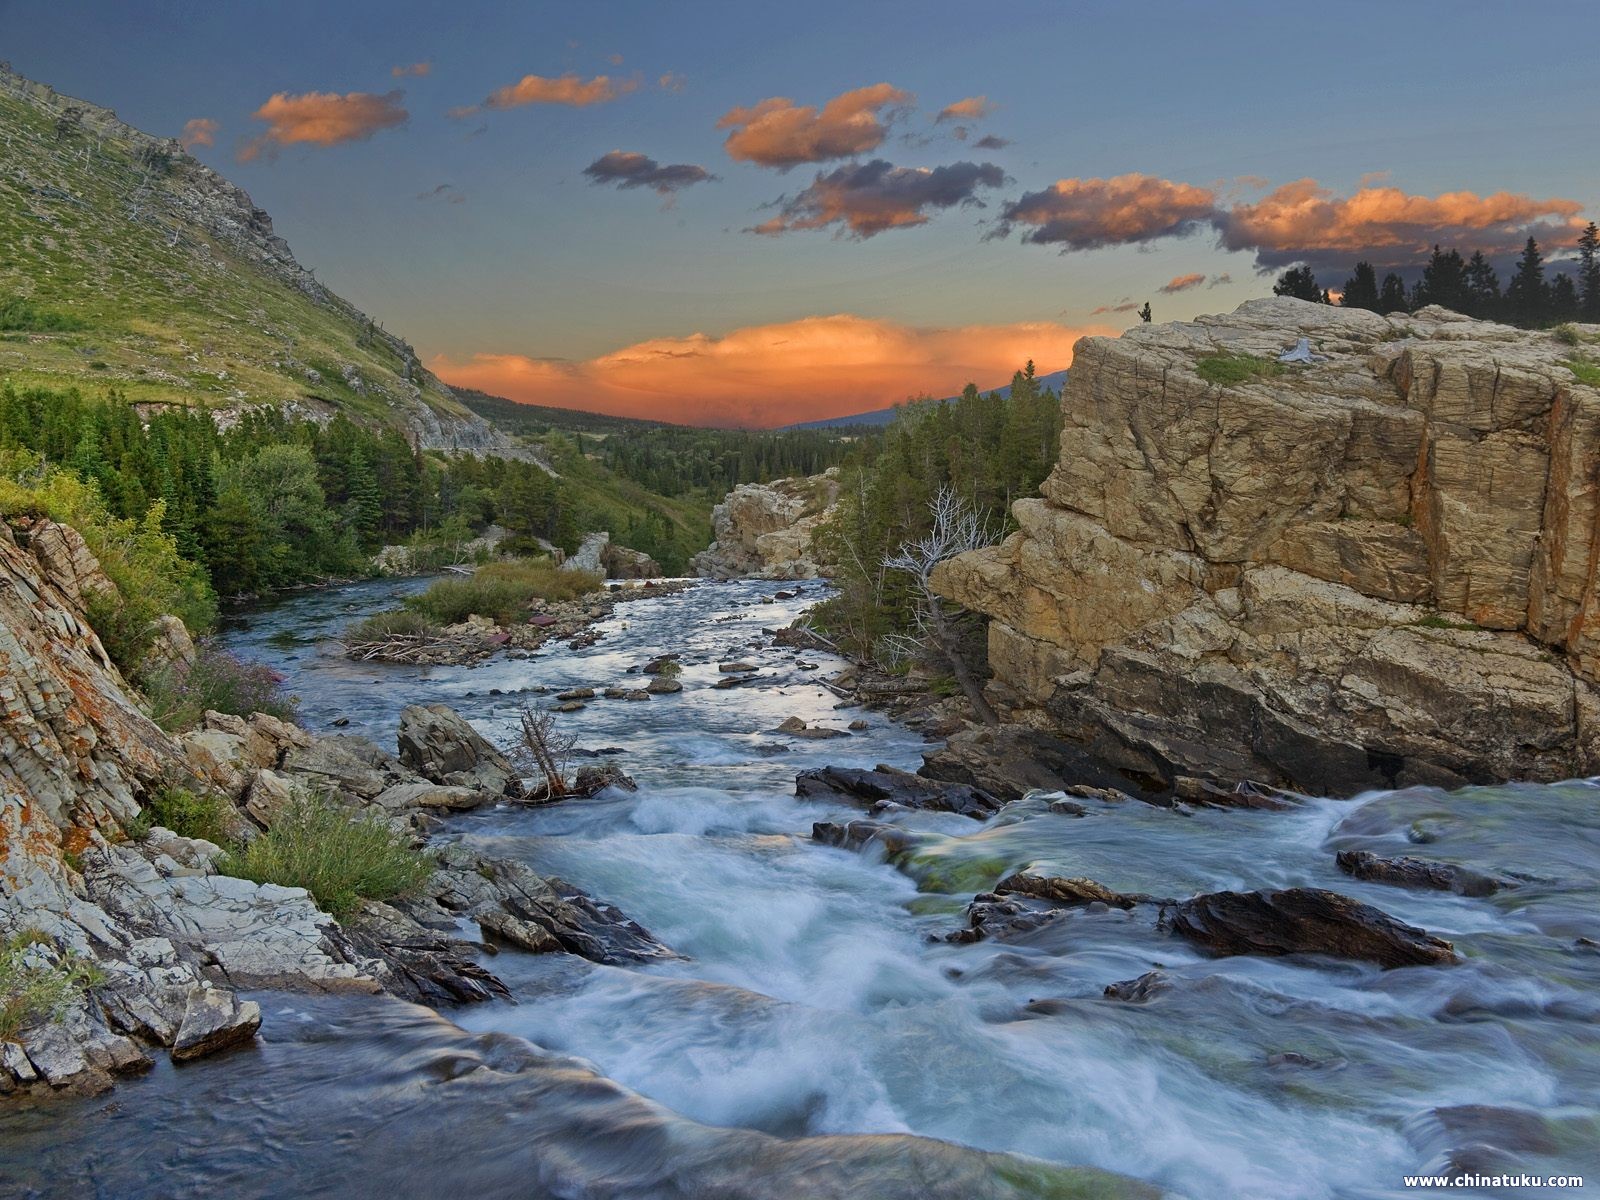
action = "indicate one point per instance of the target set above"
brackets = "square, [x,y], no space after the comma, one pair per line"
[532,420]
[124,261]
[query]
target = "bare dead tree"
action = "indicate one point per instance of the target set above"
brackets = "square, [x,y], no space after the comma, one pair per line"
[546,749]
[957,528]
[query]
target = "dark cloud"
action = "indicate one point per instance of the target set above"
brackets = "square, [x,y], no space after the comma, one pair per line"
[626,169]
[990,141]
[1083,214]
[864,199]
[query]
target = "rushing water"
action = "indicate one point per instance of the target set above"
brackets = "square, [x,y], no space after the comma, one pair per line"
[811,1000]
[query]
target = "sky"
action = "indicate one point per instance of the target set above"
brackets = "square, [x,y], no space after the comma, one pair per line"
[753,214]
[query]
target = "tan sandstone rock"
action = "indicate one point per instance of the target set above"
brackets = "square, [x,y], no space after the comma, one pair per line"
[1370,571]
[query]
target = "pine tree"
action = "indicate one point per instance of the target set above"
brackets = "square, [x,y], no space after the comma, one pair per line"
[1483,287]
[1443,282]
[1392,298]
[1361,289]
[1563,298]
[1300,283]
[1526,294]
[1589,273]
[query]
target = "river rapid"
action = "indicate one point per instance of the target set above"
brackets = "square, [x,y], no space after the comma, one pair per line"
[813,1001]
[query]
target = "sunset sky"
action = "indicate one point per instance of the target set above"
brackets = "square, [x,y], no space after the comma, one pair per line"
[745,213]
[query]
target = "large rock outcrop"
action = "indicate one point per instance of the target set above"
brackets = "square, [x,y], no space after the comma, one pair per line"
[764,530]
[1374,570]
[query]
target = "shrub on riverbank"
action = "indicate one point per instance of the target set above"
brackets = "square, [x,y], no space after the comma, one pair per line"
[191,814]
[339,856]
[385,626]
[37,984]
[500,591]
[180,695]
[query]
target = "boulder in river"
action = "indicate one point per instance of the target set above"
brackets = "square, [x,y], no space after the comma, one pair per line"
[1306,921]
[885,784]
[858,835]
[795,727]
[1420,873]
[438,744]
[1060,890]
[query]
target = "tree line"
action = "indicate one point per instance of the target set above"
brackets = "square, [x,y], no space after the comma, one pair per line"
[269,501]
[1472,286]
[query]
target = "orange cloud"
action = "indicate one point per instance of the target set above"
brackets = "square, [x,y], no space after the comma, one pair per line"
[973,108]
[417,69]
[766,375]
[1305,222]
[777,132]
[569,89]
[671,82]
[323,119]
[202,131]
[1081,214]
[1182,283]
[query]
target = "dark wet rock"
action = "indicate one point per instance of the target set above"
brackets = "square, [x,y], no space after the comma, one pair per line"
[885,783]
[1240,795]
[1293,1058]
[858,835]
[733,681]
[738,667]
[615,693]
[438,743]
[795,727]
[1003,917]
[1140,990]
[1305,921]
[858,725]
[663,685]
[591,780]
[571,706]
[425,965]
[1063,890]
[519,906]
[1008,761]
[1419,873]
[583,693]
[636,694]
[658,664]
[213,1020]
[1068,808]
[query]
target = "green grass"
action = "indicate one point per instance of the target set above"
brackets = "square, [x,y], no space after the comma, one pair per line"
[19,314]
[1587,372]
[339,856]
[36,983]
[190,814]
[396,623]
[500,591]
[1227,370]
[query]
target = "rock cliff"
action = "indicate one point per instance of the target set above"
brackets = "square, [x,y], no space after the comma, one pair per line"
[765,529]
[139,939]
[1373,570]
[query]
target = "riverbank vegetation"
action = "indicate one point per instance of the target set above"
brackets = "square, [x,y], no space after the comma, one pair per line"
[341,857]
[983,450]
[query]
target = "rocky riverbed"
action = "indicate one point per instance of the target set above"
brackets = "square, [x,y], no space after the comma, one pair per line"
[844,959]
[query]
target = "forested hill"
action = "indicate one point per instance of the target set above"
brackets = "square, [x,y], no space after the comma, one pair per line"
[125,261]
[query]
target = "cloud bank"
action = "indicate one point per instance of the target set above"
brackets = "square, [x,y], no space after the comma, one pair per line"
[765,375]
[1299,222]
[779,133]
[860,200]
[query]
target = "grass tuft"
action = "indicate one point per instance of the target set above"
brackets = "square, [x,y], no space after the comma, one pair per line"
[190,814]
[500,591]
[339,856]
[1226,370]
[216,681]
[1587,372]
[37,984]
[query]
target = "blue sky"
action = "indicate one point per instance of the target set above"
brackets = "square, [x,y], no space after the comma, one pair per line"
[534,262]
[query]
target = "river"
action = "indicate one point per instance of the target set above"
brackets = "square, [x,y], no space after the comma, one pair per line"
[815,999]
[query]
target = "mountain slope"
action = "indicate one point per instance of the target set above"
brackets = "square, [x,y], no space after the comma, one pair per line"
[1055,380]
[125,262]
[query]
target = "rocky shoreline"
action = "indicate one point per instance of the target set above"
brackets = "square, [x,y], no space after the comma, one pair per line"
[160,942]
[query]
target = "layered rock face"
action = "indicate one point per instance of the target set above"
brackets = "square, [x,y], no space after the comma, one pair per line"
[1374,570]
[764,530]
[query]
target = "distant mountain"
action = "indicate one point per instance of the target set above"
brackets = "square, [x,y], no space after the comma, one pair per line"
[882,416]
[534,419]
[126,262]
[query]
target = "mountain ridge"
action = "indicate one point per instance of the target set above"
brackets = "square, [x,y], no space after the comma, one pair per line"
[130,264]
